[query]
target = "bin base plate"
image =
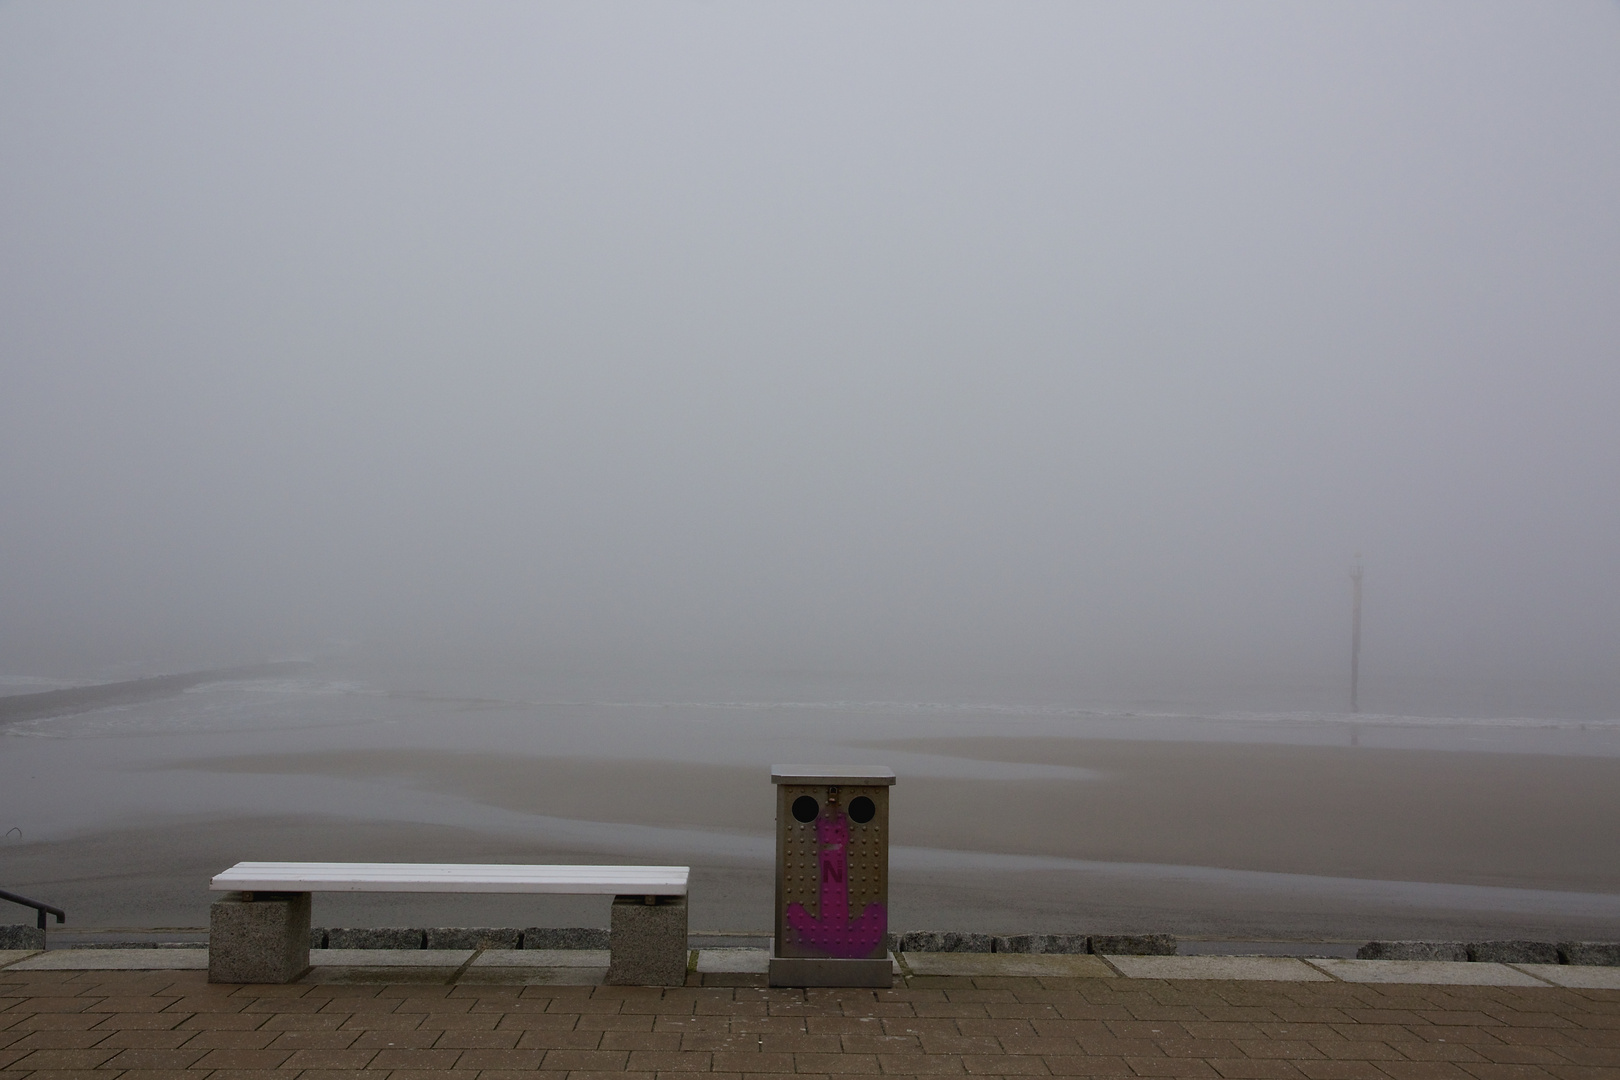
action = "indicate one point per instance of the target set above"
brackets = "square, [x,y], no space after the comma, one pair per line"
[815,971]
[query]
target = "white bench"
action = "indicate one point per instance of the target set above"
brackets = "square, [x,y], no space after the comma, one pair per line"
[260,932]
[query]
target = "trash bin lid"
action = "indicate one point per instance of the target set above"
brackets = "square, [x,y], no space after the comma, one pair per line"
[850,776]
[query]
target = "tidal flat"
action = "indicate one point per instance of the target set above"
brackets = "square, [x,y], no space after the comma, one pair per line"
[1006,819]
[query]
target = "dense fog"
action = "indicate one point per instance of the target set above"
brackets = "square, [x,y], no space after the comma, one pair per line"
[1032,349]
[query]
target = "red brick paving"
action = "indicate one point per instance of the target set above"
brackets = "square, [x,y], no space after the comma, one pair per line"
[77,1025]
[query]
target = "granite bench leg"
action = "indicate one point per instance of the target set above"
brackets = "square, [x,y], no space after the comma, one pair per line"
[258,937]
[647,943]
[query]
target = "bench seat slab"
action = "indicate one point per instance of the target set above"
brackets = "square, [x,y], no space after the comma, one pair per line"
[452,877]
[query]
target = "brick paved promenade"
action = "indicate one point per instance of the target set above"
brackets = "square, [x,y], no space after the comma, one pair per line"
[168,1025]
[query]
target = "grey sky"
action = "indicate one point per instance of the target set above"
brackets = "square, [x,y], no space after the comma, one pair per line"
[1066,341]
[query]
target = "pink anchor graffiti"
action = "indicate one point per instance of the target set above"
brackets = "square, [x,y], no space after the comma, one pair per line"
[835,933]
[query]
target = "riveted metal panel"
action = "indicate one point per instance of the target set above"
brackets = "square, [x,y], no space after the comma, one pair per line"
[832,860]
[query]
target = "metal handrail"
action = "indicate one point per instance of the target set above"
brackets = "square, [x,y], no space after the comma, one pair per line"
[61,916]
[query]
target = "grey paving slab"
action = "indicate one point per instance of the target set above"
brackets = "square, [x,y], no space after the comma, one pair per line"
[542,958]
[377,958]
[115,960]
[535,976]
[11,956]
[1429,972]
[735,961]
[1576,975]
[1069,965]
[1260,968]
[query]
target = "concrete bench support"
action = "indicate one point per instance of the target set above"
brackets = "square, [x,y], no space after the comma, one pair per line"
[262,940]
[648,942]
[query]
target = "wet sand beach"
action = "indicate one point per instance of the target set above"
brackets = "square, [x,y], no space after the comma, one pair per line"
[1520,820]
[1531,821]
[1200,839]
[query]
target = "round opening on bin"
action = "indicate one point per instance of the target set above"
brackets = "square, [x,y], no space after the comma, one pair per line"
[806,809]
[861,810]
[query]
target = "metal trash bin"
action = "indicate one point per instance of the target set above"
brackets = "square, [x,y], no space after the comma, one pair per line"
[832,877]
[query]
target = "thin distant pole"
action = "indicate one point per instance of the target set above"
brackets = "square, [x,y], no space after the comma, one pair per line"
[1355,631]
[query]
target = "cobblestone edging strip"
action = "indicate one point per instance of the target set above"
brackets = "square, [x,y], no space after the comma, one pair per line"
[1602,953]
[955,941]
[536,937]
[21,937]
[458,937]
[1585,953]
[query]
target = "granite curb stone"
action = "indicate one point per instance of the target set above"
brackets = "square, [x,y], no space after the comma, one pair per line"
[1042,943]
[1133,944]
[21,936]
[1513,952]
[1595,953]
[565,937]
[1413,950]
[458,937]
[1113,944]
[945,941]
[472,937]
[375,937]
[590,937]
